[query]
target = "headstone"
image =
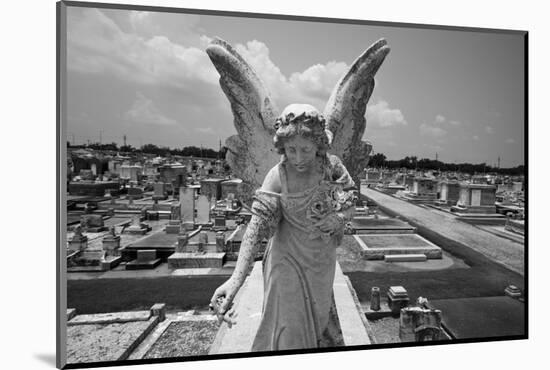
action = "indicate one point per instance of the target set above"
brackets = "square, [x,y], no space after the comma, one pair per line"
[203,210]
[159,191]
[220,241]
[187,204]
[398,298]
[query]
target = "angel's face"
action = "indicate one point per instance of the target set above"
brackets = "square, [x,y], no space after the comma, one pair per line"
[300,153]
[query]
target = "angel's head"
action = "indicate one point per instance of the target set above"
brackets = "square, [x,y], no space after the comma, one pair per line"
[301,126]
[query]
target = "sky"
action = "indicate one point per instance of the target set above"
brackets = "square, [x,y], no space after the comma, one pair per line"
[145,75]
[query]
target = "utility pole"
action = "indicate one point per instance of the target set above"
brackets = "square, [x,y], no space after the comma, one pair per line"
[100,132]
[124,138]
[498,162]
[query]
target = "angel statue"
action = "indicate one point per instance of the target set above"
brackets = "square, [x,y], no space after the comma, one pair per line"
[304,194]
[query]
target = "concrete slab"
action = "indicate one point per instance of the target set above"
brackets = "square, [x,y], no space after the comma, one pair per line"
[371,225]
[405,258]
[105,342]
[505,252]
[482,317]
[196,260]
[248,305]
[110,318]
[376,247]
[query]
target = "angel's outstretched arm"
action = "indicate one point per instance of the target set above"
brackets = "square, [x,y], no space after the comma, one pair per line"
[266,216]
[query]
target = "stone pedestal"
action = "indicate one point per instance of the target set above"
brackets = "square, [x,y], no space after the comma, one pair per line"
[159,309]
[398,298]
[111,245]
[513,291]
[78,242]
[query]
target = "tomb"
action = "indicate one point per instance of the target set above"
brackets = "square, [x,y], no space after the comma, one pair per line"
[476,198]
[201,254]
[378,246]
[138,227]
[423,191]
[146,259]
[78,242]
[373,225]
[348,317]
[111,243]
[203,210]
[449,193]
[211,188]
[159,191]
[92,223]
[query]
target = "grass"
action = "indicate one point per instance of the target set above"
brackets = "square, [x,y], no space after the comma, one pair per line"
[115,295]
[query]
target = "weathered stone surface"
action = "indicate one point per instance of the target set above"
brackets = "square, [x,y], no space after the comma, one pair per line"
[111,342]
[159,309]
[110,318]
[196,260]
[417,324]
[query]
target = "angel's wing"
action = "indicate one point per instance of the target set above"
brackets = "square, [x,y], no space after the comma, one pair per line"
[251,153]
[345,109]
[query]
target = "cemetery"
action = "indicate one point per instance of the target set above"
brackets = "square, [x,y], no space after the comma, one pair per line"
[418,256]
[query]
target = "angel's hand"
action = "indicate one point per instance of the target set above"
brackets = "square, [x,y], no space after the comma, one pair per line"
[222,302]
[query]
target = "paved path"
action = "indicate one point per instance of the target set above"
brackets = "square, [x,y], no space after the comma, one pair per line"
[503,251]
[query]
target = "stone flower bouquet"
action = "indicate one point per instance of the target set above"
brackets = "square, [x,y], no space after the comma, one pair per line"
[329,200]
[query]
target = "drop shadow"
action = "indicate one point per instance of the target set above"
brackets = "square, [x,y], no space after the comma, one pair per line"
[46,358]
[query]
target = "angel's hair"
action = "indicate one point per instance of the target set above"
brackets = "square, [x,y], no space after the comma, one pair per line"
[303,120]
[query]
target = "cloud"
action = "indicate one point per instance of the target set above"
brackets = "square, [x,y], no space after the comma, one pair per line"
[144,111]
[311,86]
[455,123]
[436,132]
[98,45]
[510,141]
[489,130]
[381,115]
[475,137]
[439,119]
[205,130]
